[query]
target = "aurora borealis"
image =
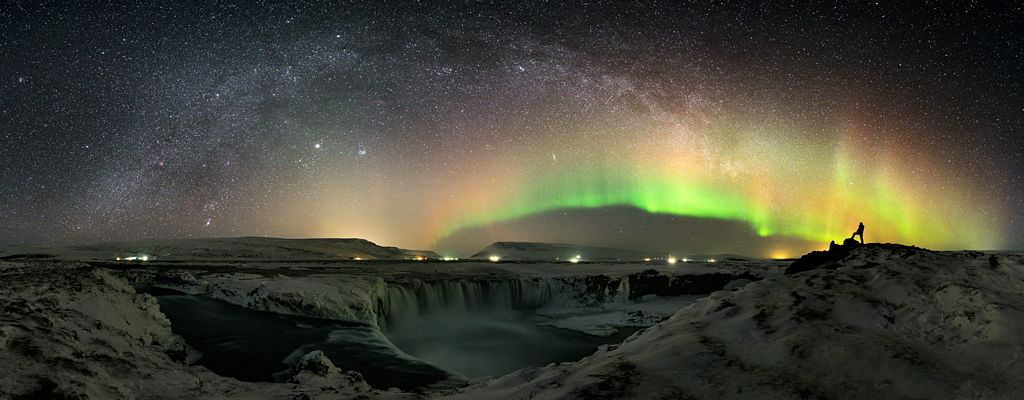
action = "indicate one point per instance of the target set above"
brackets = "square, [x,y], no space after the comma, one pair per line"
[805,196]
[450,126]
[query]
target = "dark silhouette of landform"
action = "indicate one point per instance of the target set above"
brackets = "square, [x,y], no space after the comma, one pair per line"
[830,258]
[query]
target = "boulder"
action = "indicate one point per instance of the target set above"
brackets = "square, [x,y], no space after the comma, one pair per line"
[315,369]
[315,362]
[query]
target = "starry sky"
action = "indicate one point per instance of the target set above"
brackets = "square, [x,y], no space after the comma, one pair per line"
[760,128]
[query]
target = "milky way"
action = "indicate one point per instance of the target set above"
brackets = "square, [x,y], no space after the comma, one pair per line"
[748,128]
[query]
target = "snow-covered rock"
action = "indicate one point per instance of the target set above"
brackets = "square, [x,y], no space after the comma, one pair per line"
[70,330]
[315,369]
[315,362]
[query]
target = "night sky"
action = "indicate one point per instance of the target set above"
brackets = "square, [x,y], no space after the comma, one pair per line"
[754,128]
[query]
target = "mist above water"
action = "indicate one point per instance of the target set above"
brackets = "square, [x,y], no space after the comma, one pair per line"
[491,343]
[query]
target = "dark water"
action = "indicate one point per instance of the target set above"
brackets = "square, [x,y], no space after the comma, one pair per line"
[479,344]
[262,346]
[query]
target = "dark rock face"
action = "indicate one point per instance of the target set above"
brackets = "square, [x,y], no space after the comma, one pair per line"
[823,259]
[653,282]
[828,259]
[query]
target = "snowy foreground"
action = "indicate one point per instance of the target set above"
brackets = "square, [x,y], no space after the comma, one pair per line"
[884,321]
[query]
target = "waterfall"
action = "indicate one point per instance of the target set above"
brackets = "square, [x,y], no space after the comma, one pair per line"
[410,299]
[417,297]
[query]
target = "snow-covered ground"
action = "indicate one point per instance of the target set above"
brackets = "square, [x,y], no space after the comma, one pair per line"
[887,322]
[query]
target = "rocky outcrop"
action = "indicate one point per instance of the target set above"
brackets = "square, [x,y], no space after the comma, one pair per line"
[823,259]
[315,362]
[316,368]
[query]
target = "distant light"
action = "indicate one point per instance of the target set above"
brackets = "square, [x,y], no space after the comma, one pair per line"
[358,258]
[144,258]
[671,260]
[494,258]
[686,259]
[419,258]
[316,146]
[118,258]
[647,259]
[449,259]
[575,260]
[711,260]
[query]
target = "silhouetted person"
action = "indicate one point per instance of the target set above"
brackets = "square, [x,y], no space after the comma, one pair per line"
[859,232]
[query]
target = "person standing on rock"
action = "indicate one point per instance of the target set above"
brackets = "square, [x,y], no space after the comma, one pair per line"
[859,232]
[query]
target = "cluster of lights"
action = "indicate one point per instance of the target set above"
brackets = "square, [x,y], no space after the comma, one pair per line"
[449,259]
[133,258]
[577,258]
[672,259]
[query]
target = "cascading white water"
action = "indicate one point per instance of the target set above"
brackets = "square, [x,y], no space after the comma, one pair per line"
[487,327]
[407,300]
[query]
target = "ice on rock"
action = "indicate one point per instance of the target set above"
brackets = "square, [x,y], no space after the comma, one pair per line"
[315,369]
[315,362]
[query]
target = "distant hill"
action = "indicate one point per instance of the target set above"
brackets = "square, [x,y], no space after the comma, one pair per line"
[531,251]
[222,249]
